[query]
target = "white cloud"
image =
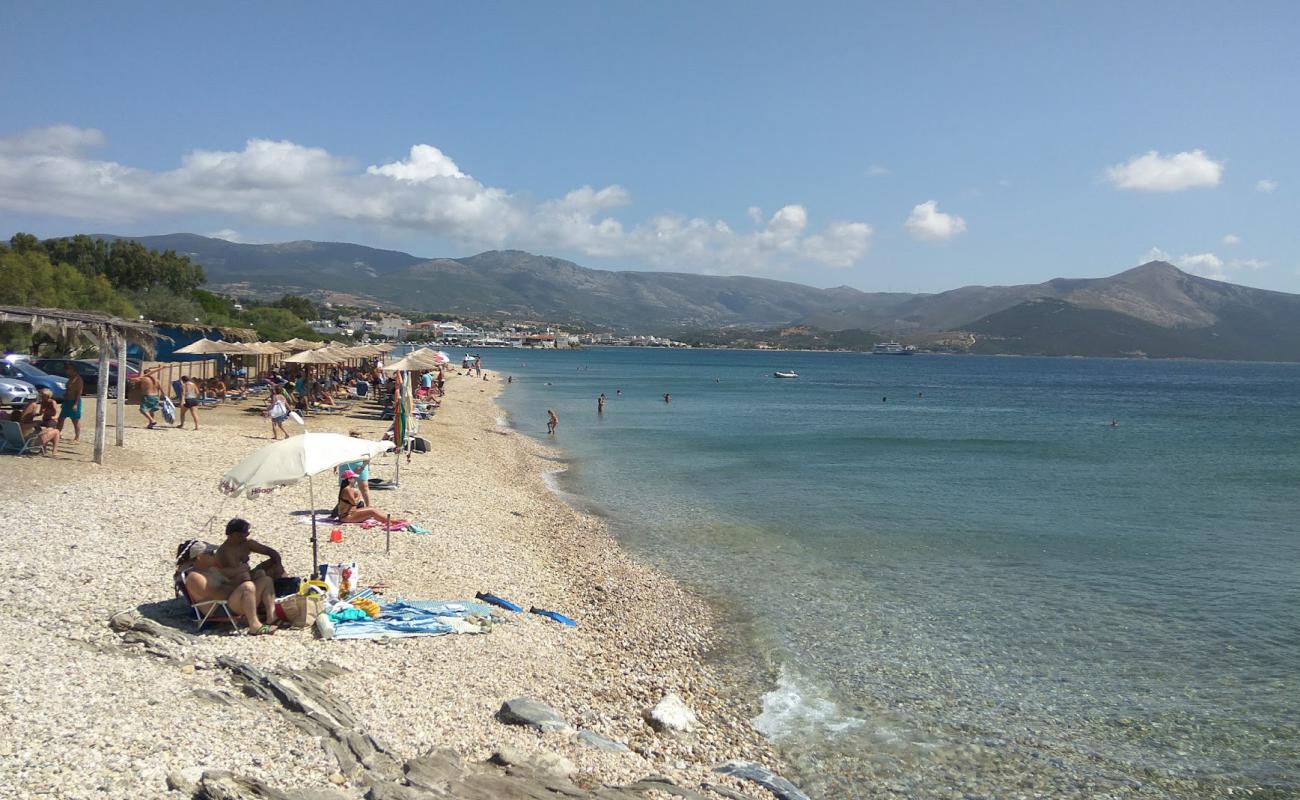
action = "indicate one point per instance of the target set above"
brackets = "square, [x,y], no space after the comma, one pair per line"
[56,140]
[1265,185]
[928,222]
[229,235]
[876,171]
[1156,254]
[426,162]
[1208,265]
[1152,172]
[284,184]
[1232,238]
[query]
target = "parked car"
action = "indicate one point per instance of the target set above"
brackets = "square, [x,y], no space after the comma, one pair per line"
[14,392]
[88,369]
[20,368]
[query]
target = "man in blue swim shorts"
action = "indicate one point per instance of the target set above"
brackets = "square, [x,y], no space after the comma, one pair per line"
[72,402]
[150,393]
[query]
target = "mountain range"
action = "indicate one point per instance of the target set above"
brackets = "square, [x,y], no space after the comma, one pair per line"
[1154,309]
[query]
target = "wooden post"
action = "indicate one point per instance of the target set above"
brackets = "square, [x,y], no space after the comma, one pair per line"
[101,392]
[121,389]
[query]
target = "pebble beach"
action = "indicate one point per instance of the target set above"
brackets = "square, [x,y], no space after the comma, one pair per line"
[89,714]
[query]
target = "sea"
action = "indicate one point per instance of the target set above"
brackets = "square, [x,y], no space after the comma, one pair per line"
[965,576]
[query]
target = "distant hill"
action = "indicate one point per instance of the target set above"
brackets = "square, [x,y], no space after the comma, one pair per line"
[1155,309]
[509,283]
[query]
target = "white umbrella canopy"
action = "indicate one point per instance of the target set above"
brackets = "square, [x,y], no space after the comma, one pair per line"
[413,361]
[207,347]
[286,462]
[290,460]
[303,344]
[321,356]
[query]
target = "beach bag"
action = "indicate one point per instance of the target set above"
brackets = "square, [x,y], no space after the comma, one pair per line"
[168,409]
[419,444]
[340,585]
[301,611]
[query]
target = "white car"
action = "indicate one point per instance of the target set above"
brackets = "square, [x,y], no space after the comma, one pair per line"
[14,392]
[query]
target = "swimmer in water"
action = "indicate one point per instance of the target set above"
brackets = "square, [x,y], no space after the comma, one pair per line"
[600,404]
[668,398]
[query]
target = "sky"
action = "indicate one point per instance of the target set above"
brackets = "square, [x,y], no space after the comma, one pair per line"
[914,146]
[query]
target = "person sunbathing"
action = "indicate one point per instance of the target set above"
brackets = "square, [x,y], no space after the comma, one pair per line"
[351,506]
[29,421]
[242,589]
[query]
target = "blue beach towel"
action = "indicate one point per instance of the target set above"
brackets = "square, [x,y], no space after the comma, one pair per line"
[406,618]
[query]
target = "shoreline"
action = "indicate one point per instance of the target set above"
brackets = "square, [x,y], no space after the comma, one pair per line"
[100,718]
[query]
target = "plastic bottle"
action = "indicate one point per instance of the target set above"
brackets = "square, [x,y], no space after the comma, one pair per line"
[324,626]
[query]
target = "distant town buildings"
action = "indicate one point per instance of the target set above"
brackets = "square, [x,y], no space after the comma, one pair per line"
[395,328]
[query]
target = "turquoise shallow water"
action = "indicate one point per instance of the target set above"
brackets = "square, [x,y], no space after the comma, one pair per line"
[960,573]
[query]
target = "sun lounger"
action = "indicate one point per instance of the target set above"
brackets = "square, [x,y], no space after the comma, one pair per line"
[18,442]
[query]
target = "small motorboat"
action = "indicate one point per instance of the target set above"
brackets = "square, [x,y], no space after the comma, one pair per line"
[785,374]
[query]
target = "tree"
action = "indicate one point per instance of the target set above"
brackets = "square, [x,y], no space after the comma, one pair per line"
[277,324]
[301,306]
[27,278]
[128,265]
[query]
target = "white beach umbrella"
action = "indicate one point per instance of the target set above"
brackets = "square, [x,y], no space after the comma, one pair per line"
[322,356]
[286,462]
[205,347]
[417,361]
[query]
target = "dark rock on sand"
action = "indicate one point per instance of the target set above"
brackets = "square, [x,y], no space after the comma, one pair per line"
[530,713]
[769,780]
[593,739]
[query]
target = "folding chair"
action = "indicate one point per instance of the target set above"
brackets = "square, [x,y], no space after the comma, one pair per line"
[15,440]
[217,611]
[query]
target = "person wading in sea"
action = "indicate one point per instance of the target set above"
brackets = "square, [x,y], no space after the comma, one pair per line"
[600,404]
[551,421]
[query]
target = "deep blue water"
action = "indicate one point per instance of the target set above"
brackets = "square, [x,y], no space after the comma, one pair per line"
[938,551]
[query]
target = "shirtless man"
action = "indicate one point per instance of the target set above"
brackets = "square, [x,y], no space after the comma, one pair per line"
[232,565]
[150,392]
[551,421]
[72,402]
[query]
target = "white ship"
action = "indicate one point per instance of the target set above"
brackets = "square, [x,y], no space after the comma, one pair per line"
[892,349]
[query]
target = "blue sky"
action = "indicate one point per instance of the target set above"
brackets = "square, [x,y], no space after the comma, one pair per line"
[916,146]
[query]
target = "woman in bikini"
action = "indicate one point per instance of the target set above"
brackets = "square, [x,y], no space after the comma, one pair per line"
[351,506]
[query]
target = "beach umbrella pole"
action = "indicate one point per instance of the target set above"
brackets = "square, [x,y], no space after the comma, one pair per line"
[311,494]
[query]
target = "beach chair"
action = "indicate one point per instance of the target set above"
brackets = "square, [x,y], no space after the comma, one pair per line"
[17,442]
[212,612]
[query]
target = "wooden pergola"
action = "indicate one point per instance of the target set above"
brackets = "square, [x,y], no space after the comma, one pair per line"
[109,334]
